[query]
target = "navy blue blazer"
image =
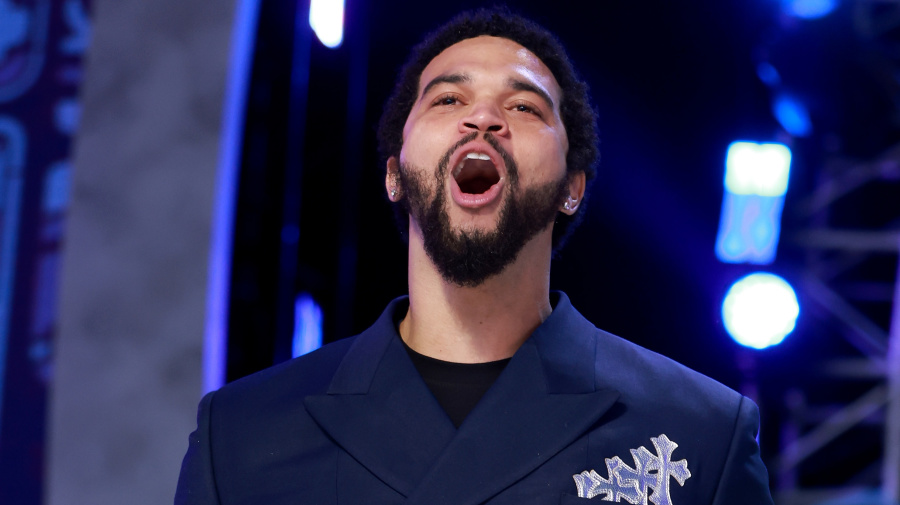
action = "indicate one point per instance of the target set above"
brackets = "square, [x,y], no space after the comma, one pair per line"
[353,423]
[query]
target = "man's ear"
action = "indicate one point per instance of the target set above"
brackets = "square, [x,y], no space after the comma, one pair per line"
[576,183]
[392,180]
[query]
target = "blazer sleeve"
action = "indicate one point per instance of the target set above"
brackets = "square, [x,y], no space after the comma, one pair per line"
[744,480]
[197,481]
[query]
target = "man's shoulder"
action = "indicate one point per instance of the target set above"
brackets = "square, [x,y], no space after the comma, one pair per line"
[627,367]
[643,375]
[298,377]
[312,373]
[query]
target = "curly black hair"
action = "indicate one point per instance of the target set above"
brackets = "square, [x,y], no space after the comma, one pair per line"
[578,116]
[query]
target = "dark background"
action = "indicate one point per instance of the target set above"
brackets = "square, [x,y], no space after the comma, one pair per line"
[674,83]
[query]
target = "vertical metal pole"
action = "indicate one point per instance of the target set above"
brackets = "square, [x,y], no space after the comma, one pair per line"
[290,220]
[795,401]
[890,477]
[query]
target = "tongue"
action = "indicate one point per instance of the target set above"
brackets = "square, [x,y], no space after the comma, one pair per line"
[477,176]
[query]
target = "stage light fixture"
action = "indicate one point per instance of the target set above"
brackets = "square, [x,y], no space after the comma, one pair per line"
[768,74]
[326,17]
[809,9]
[757,169]
[756,180]
[792,114]
[760,310]
[307,325]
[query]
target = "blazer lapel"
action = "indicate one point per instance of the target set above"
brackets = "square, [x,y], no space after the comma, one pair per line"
[544,400]
[380,411]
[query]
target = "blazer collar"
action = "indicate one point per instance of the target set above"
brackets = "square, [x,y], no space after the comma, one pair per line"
[567,354]
[379,410]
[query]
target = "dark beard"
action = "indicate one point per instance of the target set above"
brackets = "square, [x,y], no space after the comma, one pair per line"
[468,258]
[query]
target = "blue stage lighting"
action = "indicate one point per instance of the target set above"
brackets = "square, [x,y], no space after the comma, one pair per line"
[768,74]
[792,115]
[810,9]
[756,179]
[749,229]
[760,310]
[307,325]
[326,17]
[757,169]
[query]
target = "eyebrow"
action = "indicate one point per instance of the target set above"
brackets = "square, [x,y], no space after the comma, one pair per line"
[445,79]
[518,85]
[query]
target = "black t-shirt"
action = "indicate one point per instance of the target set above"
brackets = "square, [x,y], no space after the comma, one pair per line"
[457,386]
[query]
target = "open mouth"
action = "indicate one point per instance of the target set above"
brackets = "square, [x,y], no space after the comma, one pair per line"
[476,173]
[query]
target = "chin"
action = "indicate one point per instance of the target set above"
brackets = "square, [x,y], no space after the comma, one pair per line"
[481,224]
[482,219]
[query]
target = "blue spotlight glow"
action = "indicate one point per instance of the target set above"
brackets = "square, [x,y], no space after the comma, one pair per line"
[760,310]
[810,9]
[792,115]
[749,229]
[307,325]
[326,17]
[768,74]
[756,180]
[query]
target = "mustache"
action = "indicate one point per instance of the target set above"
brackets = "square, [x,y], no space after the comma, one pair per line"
[511,168]
[445,159]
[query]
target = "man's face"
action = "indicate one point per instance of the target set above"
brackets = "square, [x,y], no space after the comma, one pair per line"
[483,160]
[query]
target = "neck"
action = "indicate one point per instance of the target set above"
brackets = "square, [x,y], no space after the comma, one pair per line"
[476,324]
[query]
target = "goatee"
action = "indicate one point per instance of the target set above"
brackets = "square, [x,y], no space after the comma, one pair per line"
[467,258]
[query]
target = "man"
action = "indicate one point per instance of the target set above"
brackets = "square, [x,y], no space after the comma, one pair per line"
[481,386]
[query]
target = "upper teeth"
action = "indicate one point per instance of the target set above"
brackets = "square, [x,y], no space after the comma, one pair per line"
[470,156]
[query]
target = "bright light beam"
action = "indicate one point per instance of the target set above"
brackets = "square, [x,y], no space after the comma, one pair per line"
[307,325]
[757,169]
[326,17]
[810,9]
[792,115]
[760,310]
[756,180]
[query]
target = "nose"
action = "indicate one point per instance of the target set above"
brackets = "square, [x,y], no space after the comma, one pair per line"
[484,117]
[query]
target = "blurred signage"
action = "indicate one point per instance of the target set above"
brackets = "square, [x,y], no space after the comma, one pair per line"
[42,43]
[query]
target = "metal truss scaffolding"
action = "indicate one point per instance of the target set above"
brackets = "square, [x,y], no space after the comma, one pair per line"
[851,281]
[840,266]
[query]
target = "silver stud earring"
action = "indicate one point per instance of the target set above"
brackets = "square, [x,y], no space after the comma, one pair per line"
[393,193]
[567,205]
